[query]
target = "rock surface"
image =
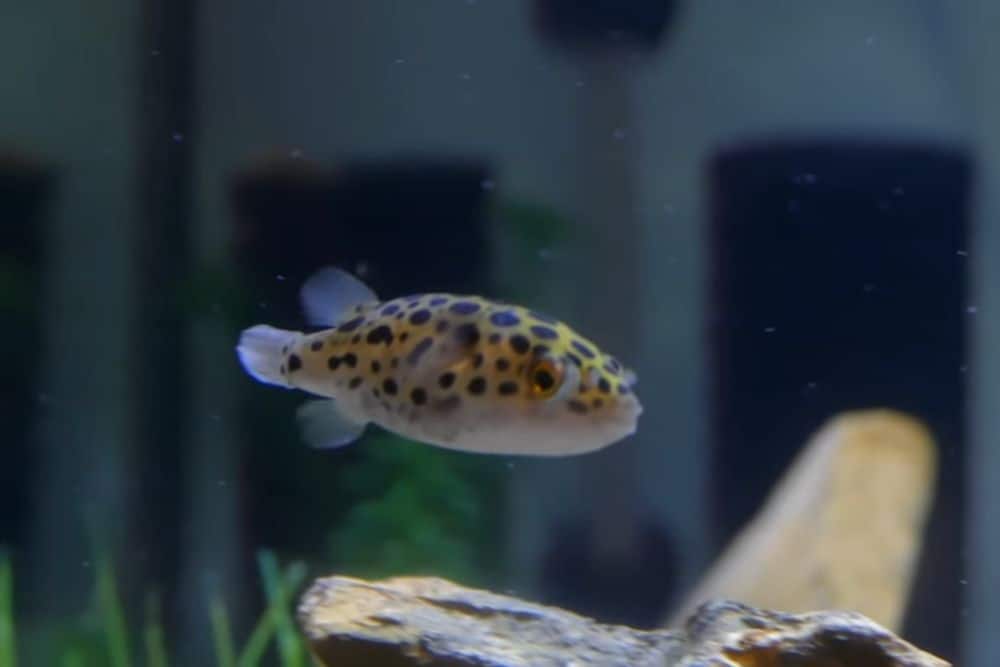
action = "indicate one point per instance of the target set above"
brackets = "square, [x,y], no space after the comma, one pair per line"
[432,622]
[841,530]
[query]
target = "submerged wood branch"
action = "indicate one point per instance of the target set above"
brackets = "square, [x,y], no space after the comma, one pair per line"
[842,529]
[432,622]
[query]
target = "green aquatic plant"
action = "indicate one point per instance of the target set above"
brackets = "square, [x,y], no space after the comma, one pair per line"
[101,637]
[418,510]
[8,638]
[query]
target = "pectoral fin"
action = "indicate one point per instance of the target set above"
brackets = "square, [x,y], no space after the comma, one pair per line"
[324,426]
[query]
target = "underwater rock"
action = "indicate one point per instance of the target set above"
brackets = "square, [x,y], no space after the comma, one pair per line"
[841,530]
[432,622]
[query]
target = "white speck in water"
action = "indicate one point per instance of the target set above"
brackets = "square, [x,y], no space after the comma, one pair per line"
[579,84]
[177,137]
[870,40]
[544,254]
[869,287]
[963,368]
[770,329]
[963,582]
[361,269]
[262,305]
[154,52]
[897,191]
[43,398]
[805,178]
[488,184]
[811,385]
[793,206]
[215,417]
[222,483]
[962,253]
[296,154]
[465,76]
[619,133]
[398,61]
[85,564]
[972,310]
[280,277]
[510,465]
[668,209]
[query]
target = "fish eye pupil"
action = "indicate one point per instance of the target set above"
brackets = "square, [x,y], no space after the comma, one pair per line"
[544,380]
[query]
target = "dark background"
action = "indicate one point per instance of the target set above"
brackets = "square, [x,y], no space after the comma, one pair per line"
[772,213]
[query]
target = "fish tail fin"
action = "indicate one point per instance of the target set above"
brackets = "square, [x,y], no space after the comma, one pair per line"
[262,350]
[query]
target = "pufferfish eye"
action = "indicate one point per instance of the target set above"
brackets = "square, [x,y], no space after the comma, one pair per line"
[545,376]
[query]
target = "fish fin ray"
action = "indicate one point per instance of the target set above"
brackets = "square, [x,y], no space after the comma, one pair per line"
[330,294]
[260,352]
[326,426]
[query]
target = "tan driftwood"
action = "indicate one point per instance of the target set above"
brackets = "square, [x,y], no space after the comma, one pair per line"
[843,528]
[435,623]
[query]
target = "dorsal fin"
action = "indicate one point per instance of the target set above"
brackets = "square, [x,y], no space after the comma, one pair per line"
[331,295]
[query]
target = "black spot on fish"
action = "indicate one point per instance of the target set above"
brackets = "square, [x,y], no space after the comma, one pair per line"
[333,362]
[477,385]
[583,349]
[504,318]
[351,325]
[380,334]
[420,317]
[418,396]
[294,363]
[446,380]
[390,309]
[375,392]
[282,369]
[464,307]
[355,382]
[390,387]
[494,338]
[356,338]
[413,304]
[400,315]
[604,386]
[507,388]
[316,345]
[467,334]
[477,360]
[577,407]
[540,350]
[520,344]
[376,366]
[623,388]
[612,365]
[350,359]
[284,349]
[575,359]
[404,336]
[394,362]
[597,403]
[544,332]
[442,326]
[413,358]
[502,364]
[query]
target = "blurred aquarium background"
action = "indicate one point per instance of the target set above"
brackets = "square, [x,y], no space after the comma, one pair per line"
[772,211]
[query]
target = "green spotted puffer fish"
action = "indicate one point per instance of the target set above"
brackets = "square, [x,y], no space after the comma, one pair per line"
[460,372]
